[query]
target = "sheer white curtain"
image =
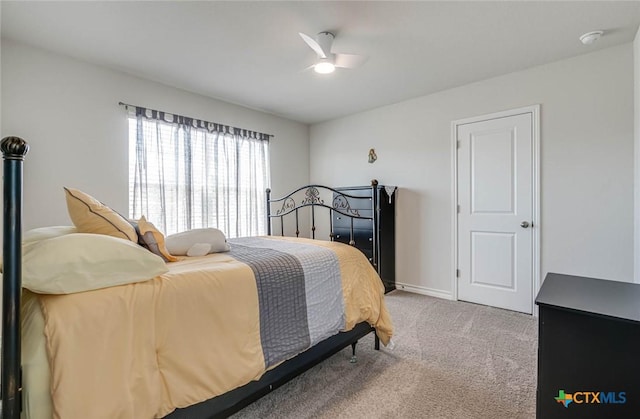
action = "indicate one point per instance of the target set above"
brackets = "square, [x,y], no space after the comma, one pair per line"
[186,174]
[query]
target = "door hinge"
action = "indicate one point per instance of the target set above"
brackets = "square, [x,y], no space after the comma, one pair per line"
[458,209]
[457,273]
[458,144]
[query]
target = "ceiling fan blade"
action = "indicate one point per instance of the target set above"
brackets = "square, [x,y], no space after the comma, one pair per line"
[349,60]
[313,44]
[308,68]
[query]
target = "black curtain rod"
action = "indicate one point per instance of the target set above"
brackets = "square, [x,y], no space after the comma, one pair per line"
[227,127]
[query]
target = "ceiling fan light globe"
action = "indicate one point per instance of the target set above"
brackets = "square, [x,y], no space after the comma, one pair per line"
[324,67]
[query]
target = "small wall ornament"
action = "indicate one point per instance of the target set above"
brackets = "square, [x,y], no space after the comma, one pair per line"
[372,155]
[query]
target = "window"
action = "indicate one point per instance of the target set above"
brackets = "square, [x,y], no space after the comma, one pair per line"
[186,174]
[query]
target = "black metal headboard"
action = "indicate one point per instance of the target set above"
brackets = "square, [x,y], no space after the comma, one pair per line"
[312,196]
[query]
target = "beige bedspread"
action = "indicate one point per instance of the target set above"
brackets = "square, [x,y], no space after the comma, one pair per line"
[142,350]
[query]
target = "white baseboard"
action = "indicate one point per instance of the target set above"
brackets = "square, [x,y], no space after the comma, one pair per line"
[424,291]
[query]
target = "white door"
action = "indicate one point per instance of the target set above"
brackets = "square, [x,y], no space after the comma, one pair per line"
[495,214]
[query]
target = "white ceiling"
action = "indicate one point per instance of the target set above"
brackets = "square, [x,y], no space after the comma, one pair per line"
[250,53]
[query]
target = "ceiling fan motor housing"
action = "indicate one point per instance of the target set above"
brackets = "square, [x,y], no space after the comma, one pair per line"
[325,40]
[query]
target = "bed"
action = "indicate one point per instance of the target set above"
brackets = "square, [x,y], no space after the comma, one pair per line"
[201,340]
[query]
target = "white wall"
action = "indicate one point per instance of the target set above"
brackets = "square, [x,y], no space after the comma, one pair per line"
[636,183]
[586,165]
[68,112]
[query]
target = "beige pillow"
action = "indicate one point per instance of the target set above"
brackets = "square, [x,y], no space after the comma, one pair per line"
[194,242]
[43,233]
[152,239]
[91,216]
[82,262]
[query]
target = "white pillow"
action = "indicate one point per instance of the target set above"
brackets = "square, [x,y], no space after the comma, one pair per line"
[44,233]
[81,262]
[199,249]
[193,242]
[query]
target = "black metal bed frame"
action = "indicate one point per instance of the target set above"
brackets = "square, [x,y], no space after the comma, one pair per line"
[14,149]
[233,401]
[341,204]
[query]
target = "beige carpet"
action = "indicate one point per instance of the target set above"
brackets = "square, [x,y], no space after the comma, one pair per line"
[451,360]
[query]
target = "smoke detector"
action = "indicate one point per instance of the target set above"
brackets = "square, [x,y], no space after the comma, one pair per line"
[591,37]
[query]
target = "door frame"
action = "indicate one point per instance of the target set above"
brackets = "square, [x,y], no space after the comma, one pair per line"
[534,110]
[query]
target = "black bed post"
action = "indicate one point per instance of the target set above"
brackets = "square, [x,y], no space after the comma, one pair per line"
[13,150]
[268,211]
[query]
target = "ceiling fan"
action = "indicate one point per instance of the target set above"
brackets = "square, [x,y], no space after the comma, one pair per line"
[327,60]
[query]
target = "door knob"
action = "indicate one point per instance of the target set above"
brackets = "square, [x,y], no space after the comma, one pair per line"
[524,224]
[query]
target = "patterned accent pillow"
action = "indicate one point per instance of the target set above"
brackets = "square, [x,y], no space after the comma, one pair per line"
[91,216]
[152,239]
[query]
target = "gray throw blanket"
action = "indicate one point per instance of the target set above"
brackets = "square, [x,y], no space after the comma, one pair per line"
[299,292]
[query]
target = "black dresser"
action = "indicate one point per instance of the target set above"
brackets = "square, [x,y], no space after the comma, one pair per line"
[588,348]
[376,239]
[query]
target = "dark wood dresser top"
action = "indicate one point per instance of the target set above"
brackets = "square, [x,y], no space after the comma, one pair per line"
[589,295]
